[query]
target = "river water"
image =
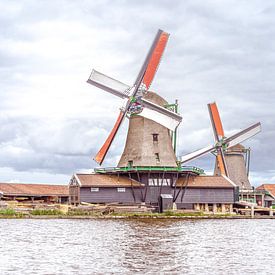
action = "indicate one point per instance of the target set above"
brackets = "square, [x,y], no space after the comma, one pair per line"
[137,246]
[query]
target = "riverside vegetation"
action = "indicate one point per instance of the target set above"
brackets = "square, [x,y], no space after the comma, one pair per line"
[79,213]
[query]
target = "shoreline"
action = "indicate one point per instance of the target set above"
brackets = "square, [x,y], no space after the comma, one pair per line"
[133,216]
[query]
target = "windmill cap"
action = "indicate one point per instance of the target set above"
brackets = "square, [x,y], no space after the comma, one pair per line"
[236,148]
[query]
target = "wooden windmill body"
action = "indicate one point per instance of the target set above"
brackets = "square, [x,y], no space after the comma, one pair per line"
[149,142]
[229,152]
[236,166]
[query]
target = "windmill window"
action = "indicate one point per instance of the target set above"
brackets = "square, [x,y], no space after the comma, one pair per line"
[94,189]
[157,157]
[130,163]
[120,189]
[155,137]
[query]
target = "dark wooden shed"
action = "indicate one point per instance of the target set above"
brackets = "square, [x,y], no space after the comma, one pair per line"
[207,193]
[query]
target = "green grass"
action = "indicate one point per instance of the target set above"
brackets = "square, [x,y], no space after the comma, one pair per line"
[11,213]
[45,212]
[7,212]
[78,212]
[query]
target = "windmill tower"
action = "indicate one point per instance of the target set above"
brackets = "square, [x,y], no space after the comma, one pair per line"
[148,156]
[235,158]
[229,152]
[149,140]
[148,143]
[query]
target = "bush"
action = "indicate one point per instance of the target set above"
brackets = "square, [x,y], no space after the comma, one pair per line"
[47,212]
[7,212]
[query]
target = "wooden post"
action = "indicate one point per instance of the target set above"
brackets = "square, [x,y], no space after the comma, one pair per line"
[252,211]
[197,206]
[214,208]
[231,208]
[223,208]
[206,207]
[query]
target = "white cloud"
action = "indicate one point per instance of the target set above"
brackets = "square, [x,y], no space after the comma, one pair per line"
[52,120]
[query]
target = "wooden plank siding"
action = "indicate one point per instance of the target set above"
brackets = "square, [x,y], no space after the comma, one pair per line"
[109,195]
[206,195]
[191,195]
[95,188]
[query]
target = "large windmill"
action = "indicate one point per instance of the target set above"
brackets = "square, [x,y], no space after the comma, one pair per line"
[149,155]
[228,150]
[149,136]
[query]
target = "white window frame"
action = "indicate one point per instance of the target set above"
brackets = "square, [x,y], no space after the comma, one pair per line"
[121,189]
[94,189]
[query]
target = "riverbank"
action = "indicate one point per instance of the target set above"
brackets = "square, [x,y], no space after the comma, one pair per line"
[25,211]
[134,216]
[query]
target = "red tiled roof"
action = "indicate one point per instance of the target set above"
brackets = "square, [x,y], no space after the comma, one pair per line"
[106,180]
[206,182]
[267,187]
[16,189]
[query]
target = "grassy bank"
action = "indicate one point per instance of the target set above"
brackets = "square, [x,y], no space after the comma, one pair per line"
[56,214]
[10,213]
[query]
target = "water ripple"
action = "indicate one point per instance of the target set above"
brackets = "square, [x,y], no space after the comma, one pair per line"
[137,246]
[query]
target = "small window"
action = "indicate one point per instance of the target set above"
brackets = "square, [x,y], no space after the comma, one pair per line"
[120,189]
[94,189]
[130,163]
[155,137]
[157,157]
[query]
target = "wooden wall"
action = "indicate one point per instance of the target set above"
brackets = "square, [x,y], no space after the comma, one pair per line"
[191,195]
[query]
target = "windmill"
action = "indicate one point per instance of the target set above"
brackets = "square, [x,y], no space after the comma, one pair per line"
[228,150]
[149,136]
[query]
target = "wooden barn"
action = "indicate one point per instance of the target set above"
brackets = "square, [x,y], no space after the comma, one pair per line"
[207,193]
[34,192]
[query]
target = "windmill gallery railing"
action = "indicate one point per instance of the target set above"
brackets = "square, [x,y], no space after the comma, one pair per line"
[191,169]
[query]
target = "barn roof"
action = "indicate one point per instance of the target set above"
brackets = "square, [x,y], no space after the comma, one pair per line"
[268,187]
[101,180]
[16,189]
[207,182]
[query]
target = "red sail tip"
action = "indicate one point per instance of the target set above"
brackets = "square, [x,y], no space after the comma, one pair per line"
[105,147]
[155,59]
[216,120]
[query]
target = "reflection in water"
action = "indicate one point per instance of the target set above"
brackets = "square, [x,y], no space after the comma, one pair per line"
[140,246]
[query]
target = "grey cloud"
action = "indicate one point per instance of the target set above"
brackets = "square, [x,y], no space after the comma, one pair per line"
[222,51]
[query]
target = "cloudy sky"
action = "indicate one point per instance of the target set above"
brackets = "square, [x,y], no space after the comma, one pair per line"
[52,121]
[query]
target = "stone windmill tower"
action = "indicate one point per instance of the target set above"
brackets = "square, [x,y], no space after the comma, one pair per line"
[235,158]
[229,152]
[149,141]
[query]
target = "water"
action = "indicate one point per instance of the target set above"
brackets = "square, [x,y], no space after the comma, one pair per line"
[137,246]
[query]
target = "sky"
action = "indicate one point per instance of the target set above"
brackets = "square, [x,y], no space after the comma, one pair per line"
[52,122]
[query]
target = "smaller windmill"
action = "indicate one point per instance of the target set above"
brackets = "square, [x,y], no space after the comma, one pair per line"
[229,152]
[136,96]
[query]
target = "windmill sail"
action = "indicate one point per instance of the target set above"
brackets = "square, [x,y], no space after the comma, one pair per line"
[109,84]
[154,57]
[160,114]
[223,143]
[198,153]
[218,135]
[105,147]
[145,77]
[243,135]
